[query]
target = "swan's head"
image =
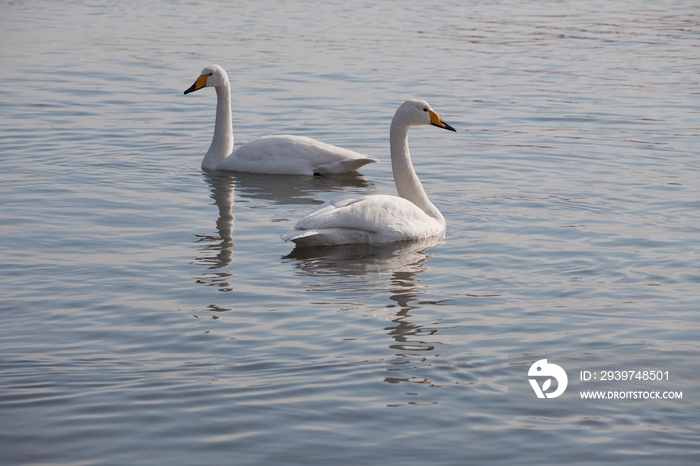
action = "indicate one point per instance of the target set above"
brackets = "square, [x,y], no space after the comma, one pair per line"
[211,76]
[418,112]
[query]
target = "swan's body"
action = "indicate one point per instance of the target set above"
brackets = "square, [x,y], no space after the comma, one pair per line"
[272,155]
[380,218]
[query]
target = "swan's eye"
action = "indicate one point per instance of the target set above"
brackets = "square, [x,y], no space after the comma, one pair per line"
[210,74]
[425,109]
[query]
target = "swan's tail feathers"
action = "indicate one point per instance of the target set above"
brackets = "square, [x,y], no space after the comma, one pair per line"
[297,235]
[326,237]
[344,166]
[303,238]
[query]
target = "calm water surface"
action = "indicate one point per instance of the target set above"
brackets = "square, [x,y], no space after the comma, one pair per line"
[151,315]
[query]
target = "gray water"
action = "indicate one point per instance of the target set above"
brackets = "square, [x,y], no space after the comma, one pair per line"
[150,313]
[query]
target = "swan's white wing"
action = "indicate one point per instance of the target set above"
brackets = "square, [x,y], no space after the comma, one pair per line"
[363,219]
[292,155]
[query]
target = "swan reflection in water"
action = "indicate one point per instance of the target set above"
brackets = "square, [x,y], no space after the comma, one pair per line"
[215,250]
[404,262]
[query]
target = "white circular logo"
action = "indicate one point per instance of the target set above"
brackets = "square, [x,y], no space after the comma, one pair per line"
[542,369]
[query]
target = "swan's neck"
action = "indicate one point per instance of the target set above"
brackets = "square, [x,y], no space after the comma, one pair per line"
[407,183]
[222,142]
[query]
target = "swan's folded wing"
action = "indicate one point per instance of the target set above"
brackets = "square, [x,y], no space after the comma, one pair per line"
[327,158]
[384,218]
[293,155]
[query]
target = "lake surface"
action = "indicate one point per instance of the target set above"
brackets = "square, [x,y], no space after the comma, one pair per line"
[150,313]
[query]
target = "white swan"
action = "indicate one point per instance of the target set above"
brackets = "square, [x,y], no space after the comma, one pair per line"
[272,155]
[380,218]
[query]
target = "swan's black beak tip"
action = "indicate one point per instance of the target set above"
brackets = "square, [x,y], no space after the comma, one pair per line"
[444,125]
[192,88]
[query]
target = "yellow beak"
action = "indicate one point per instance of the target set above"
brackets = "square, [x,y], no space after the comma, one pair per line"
[435,120]
[198,84]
